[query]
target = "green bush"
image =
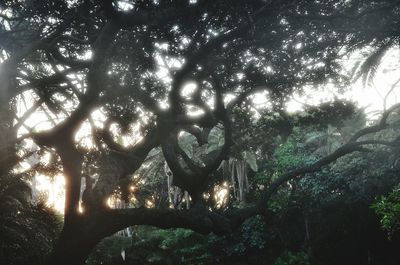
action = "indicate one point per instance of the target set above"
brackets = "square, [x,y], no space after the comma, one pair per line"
[388,209]
[290,258]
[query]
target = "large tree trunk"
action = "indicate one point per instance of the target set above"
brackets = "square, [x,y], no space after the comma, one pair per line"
[8,157]
[75,243]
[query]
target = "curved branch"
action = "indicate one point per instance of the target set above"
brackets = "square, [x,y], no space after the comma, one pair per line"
[69,61]
[72,165]
[199,220]
[117,167]
[376,128]
[182,178]
[96,81]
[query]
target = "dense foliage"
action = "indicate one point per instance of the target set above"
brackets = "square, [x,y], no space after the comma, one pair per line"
[387,207]
[27,230]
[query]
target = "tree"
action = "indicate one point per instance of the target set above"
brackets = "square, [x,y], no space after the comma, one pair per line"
[387,207]
[99,65]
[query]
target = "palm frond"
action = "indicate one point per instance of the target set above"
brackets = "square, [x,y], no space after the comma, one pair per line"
[367,70]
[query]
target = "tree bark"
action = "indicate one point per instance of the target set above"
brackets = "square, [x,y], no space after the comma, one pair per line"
[75,243]
[8,135]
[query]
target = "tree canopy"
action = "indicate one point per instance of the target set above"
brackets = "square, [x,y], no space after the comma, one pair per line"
[127,85]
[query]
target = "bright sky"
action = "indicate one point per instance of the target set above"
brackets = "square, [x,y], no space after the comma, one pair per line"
[383,90]
[53,189]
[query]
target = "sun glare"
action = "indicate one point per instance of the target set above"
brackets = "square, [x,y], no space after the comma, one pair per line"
[221,195]
[53,190]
